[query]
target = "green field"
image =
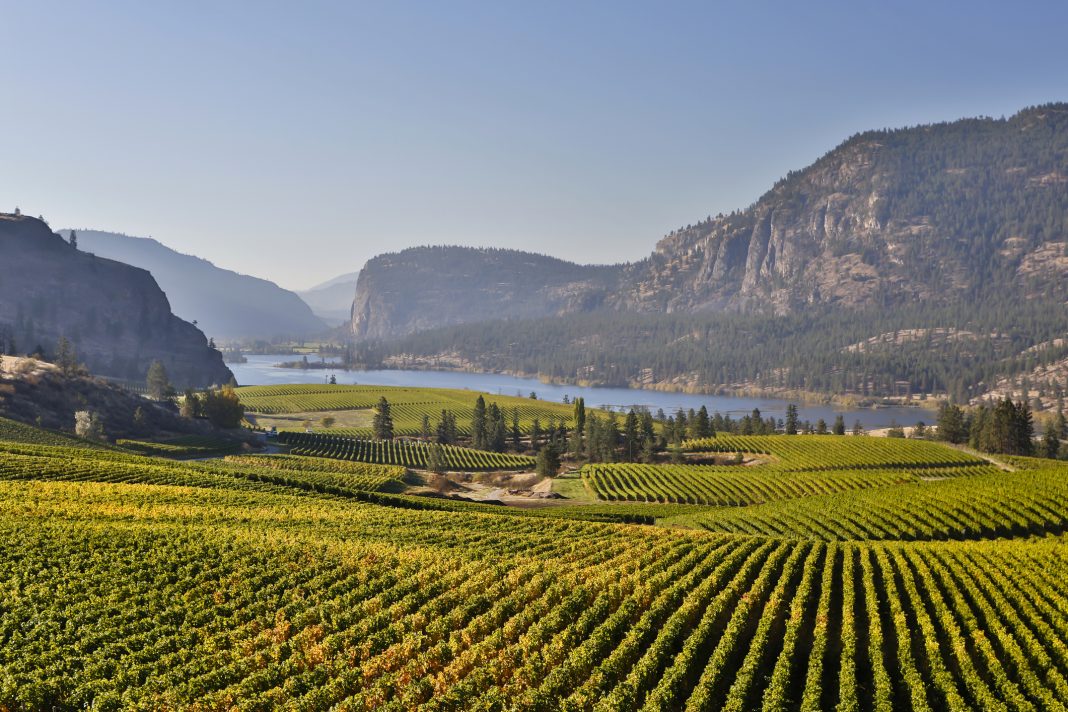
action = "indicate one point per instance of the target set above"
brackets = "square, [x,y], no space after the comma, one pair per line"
[407,407]
[915,578]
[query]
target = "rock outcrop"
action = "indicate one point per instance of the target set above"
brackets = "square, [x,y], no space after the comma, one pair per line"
[115,315]
[961,211]
[424,287]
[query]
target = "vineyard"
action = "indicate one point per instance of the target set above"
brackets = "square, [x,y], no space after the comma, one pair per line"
[737,486]
[184,446]
[399,452]
[914,578]
[407,406]
[826,452]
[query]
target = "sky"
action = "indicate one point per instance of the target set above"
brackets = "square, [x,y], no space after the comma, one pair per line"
[294,141]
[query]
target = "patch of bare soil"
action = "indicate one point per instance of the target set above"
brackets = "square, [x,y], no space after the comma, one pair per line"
[515,489]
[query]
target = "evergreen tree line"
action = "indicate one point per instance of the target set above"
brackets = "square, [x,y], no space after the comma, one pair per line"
[1004,427]
[813,351]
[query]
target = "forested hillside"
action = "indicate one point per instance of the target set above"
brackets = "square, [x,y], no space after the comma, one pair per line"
[863,354]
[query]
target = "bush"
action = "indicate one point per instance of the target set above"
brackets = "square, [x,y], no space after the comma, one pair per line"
[88,425]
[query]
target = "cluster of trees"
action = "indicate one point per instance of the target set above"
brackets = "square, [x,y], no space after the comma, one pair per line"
[1004,427]
[489,431]
[221,406]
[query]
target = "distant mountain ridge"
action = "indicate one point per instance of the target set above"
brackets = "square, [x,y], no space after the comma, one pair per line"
[225,304]
[332,300]
[963,210]
[116,316]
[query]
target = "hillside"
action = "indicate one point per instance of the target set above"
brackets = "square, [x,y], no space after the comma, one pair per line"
[225,304]
[953,211]
[115,315]
[331,301]
[424,287]
[955,227]
[949,211]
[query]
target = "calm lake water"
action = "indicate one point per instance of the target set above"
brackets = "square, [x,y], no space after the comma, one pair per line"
[260,371]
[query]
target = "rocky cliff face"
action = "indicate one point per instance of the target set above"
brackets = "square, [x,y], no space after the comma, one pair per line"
[424,287]
[957,211]
[116,316]
[888,217]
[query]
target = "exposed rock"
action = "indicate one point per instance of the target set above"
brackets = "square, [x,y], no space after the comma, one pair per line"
[115,315]
[939,212]
[423,287]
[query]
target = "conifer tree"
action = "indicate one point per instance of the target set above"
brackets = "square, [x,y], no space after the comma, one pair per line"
[382,423]
[159,385]
[839,425]
[790,427]
[478,425]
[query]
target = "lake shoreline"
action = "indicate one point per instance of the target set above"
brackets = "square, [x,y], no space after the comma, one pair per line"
[800,397]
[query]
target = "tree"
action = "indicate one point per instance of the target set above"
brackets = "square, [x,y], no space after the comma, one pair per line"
[424,428]
[920,431]
[580,416]
[190,405]
[333,380]
[630,436]
[478,425]
[791,420]
[382,423]
[517,434]
[446,428]
[88,425]
[223,408]
[894,431]
[839,425]
[74,239]
[65,357]
[702,424]
[821,427]
[328,421]
[435,458]
[951,424]
[139,418]
[1051,445]
[547,463]
[159,385]
[535,434]
[858,428]
[1060,424]
[496,431]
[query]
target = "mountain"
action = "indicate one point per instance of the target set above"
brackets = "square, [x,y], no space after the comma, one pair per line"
[424,287]
[117,317]
[331,301]
[224,304]
[954,211]
[930,259]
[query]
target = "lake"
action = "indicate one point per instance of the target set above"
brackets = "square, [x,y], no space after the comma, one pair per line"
[260,371]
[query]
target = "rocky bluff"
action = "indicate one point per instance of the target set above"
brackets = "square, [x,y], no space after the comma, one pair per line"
[115,315]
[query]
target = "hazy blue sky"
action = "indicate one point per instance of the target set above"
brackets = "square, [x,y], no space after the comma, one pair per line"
[295,140]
